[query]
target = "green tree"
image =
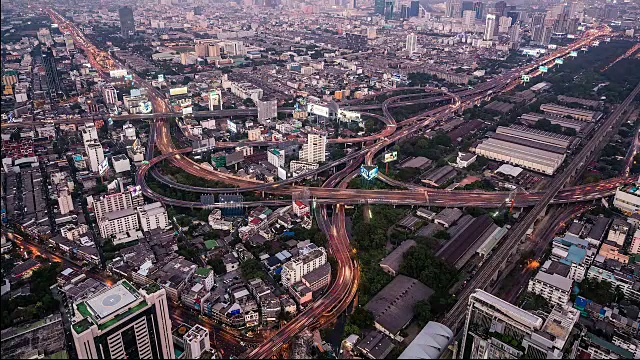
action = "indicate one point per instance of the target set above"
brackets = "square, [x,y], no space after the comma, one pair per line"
[422,311]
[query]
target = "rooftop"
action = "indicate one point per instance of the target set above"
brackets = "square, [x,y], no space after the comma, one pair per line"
[105,303]
[394,259]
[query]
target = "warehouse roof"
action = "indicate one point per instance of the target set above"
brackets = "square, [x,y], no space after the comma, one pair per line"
[394,259]
[393,306]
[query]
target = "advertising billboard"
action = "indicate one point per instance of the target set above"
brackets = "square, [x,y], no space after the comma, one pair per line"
[187,110]
[282,173]
[134,190]
[178,91]
[145,107]
[103,167]
[368,172]
[543,69]
[344,115]
[161,77]
[135,92]
[318,110]
[128,77]
[526,78]
[118,73]
[390,156]
[231,126]
[573,53]
[559,61]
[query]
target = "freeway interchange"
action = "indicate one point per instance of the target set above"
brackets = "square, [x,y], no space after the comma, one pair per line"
[334,191]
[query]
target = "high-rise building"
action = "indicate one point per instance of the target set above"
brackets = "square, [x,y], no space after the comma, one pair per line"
[478,7]
[379,6]
[215,100]
[95,155]
[490,27]
[546,35]
[153,216]
[65,202]
[68,41]
[295,269]
[500,8]
[127,24]
[412,43]
[496,329]
[468,19]
[116,202]
[122,322]
[51,72]
[213,50]
[404,11]
[267,110]
[196,342]
[466,5]
[503,24]
[313,151]
[110,95]
[415,8]
[388,9]
[201,50]
[453,8]
[514,36]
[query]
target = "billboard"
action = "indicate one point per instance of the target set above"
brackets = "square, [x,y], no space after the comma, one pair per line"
[573,53]
[134,190]
[526,78]
[135,92]
[215,98]
[344,115]
[187,110]
[390,156]
[543,68]
[368,172]
[559,61]
[282,173]
[128,77]
[145,107]
[318,110]
[161,77]
[231,126]
[178,91]
[118,73]
[103,167]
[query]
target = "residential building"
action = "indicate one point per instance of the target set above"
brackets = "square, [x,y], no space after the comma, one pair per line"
[121,163]
[555,288]
[591,346]
[118,201]
[412,43]
[635,243]
[491,27]
[35,340]
[65,201]
[122,322]
[118,222]
[629,286]
[110,95]
[267,110]
[95,155]
[295,269]
[276,157]
[153,216]
[314,150]
[627,199]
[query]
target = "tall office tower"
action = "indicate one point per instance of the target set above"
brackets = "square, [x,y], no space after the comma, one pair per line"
[504,23]
[500,8]
[127,25]
[468,19]
[453,8]
[379,6]
[95,154]
[412,43]
[415,8]
[478,7]
[388,10]
[404,11]
[496,329]
[121,322]
[514,33]
[546,35]
[466,5]
[51,72]
[514,15]
[490,27]
[313,151]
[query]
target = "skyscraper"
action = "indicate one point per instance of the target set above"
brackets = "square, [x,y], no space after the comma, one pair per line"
[478,7]
[379,7]
[453,8]
[412,43]
[490,27]
[388,9]
[313,151]
[51,71]
[466,5]
[415,8]
[127,25]
[122,322]
[500,8]
[404,11]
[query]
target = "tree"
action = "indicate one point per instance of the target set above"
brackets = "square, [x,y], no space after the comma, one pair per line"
[217,265]
[251,269]
[362,318]
[422,311]
[248,102]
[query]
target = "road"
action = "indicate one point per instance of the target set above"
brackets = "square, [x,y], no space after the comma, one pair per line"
[454,318]
[338,241]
